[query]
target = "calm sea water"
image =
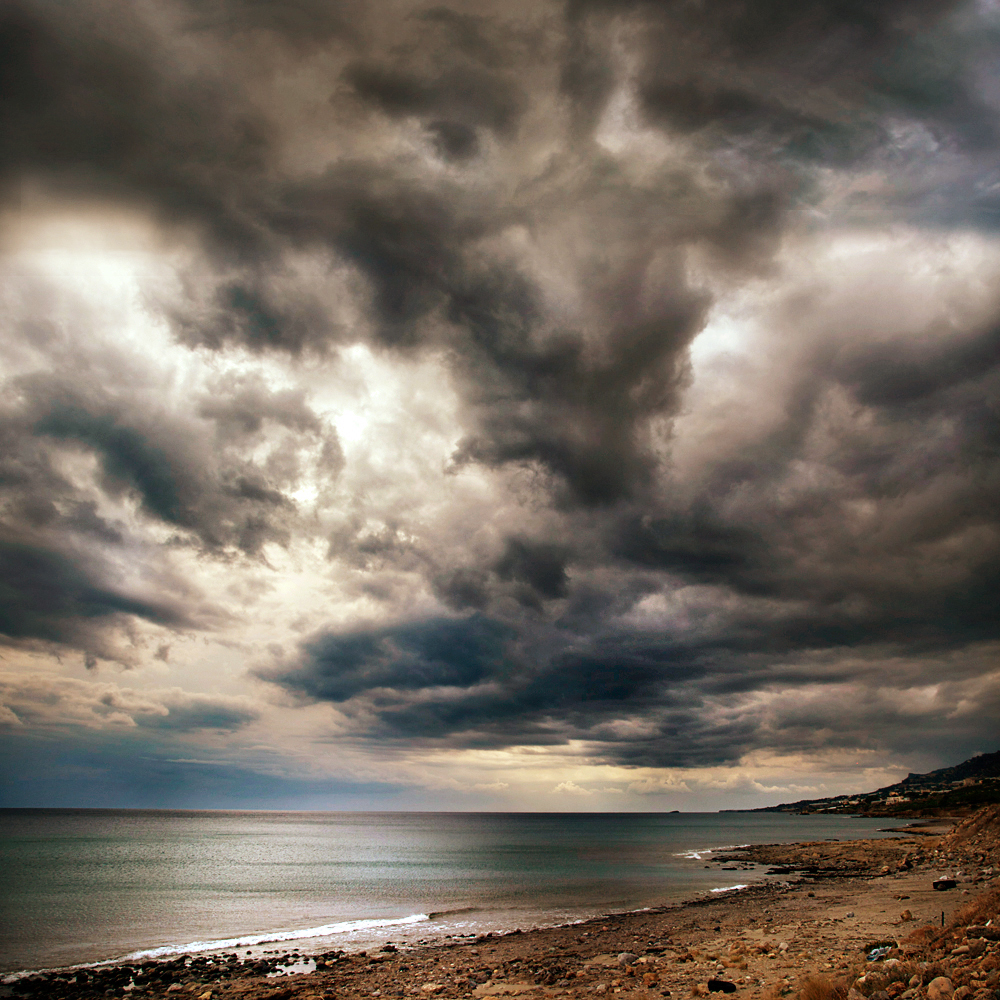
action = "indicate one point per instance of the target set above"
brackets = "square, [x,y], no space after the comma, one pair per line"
[81,886]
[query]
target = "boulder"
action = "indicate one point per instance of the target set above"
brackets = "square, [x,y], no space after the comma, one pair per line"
[940,989]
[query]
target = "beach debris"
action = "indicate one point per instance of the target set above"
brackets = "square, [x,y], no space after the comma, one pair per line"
[721,986]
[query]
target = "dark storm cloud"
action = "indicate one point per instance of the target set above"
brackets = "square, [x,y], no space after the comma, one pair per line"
[582,418]
[427,654]
[895,375]
[221,498]
[192,712]
[203,485]
[472,676]
[538,564]
[94,106]
[790,598]
[449,140]
[48,596]
[127,456]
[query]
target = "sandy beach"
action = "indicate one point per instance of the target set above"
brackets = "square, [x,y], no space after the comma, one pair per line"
[807,932]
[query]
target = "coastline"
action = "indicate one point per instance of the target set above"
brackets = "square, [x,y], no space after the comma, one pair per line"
[320,881]
[823,902]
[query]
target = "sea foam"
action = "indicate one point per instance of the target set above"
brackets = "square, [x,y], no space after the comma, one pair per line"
[249,940]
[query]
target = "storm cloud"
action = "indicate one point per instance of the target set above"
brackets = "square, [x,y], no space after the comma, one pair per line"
[606,377]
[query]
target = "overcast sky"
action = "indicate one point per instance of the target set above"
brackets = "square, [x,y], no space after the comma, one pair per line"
[522,405]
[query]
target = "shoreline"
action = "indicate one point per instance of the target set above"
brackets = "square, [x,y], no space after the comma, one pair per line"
[818,903]
[622,867]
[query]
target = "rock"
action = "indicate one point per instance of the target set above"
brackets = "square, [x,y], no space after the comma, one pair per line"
[627,958]
[649,978]
[976,947]
[940,989]
[207,995]
[944,883]
[914,982]
[174,987]
[880,995]
[905,915]
[989,933]
[432,988]
[962,992]
[721,986]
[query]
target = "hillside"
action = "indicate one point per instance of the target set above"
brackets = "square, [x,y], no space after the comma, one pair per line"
[959,789]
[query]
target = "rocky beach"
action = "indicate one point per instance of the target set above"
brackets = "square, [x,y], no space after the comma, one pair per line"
[834,920]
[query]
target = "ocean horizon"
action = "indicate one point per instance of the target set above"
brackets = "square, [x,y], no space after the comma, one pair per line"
[86,886]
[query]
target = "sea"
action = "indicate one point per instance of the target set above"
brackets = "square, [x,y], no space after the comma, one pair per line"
[81,887]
